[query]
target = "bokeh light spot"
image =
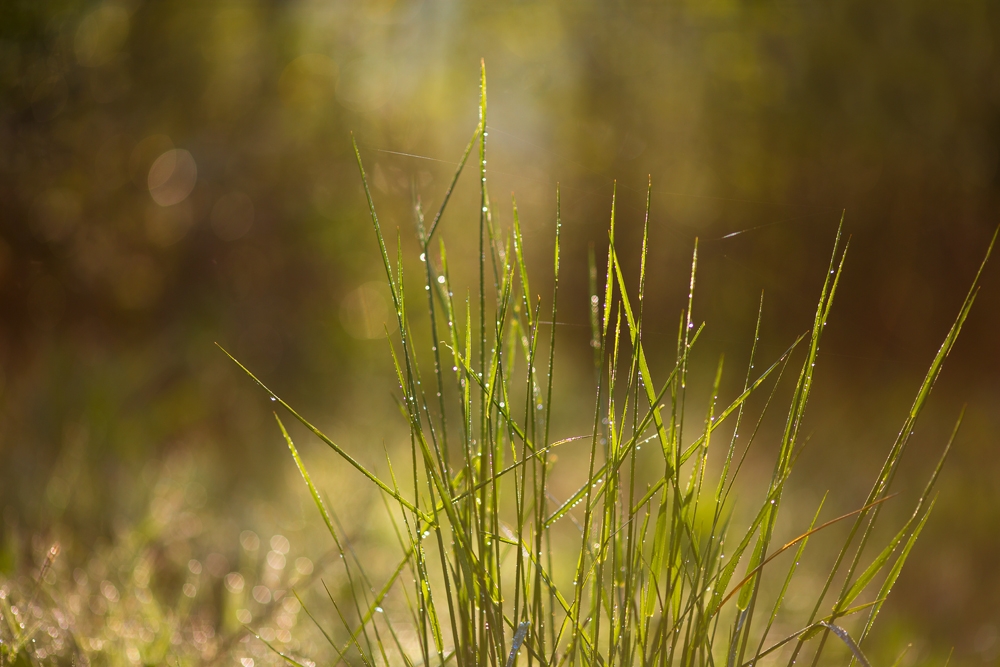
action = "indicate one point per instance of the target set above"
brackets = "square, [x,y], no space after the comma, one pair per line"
[172,177]
[234,582]
[280,544]
[303,565]
[262,594]
[249,540]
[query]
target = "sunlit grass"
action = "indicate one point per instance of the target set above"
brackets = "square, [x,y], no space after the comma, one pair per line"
[659,572]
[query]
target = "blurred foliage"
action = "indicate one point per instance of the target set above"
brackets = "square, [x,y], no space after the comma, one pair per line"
[176,173]
[165,589]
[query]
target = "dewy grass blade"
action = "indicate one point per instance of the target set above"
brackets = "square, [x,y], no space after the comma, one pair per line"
[897,566]
[846,638]
[334,446]
[796,412]
[305,476]
[577,497]
[647,380]
[451,187]
[281,655]
[522,632]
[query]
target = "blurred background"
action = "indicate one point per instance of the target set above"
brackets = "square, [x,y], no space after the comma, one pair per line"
[176,174]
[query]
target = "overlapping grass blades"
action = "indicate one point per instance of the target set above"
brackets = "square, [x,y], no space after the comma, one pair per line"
[651,584]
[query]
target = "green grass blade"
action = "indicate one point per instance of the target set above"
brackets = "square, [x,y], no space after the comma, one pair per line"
[845,637]
[890,580]
[334,446]
[281,655]
[451,187]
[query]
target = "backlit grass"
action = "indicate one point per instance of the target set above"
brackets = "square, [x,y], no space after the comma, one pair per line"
[635,567]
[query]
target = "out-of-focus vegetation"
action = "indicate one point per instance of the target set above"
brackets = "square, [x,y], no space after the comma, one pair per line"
[170,588]
[178,173]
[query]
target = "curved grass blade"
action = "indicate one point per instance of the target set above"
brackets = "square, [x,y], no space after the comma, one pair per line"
[334,446]
[845,637]
[447,195]
[380,597]
[522,632]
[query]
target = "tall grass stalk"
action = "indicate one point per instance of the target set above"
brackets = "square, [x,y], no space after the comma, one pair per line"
[661,573]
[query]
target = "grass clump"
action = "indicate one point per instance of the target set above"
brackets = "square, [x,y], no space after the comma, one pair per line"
[644,564]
